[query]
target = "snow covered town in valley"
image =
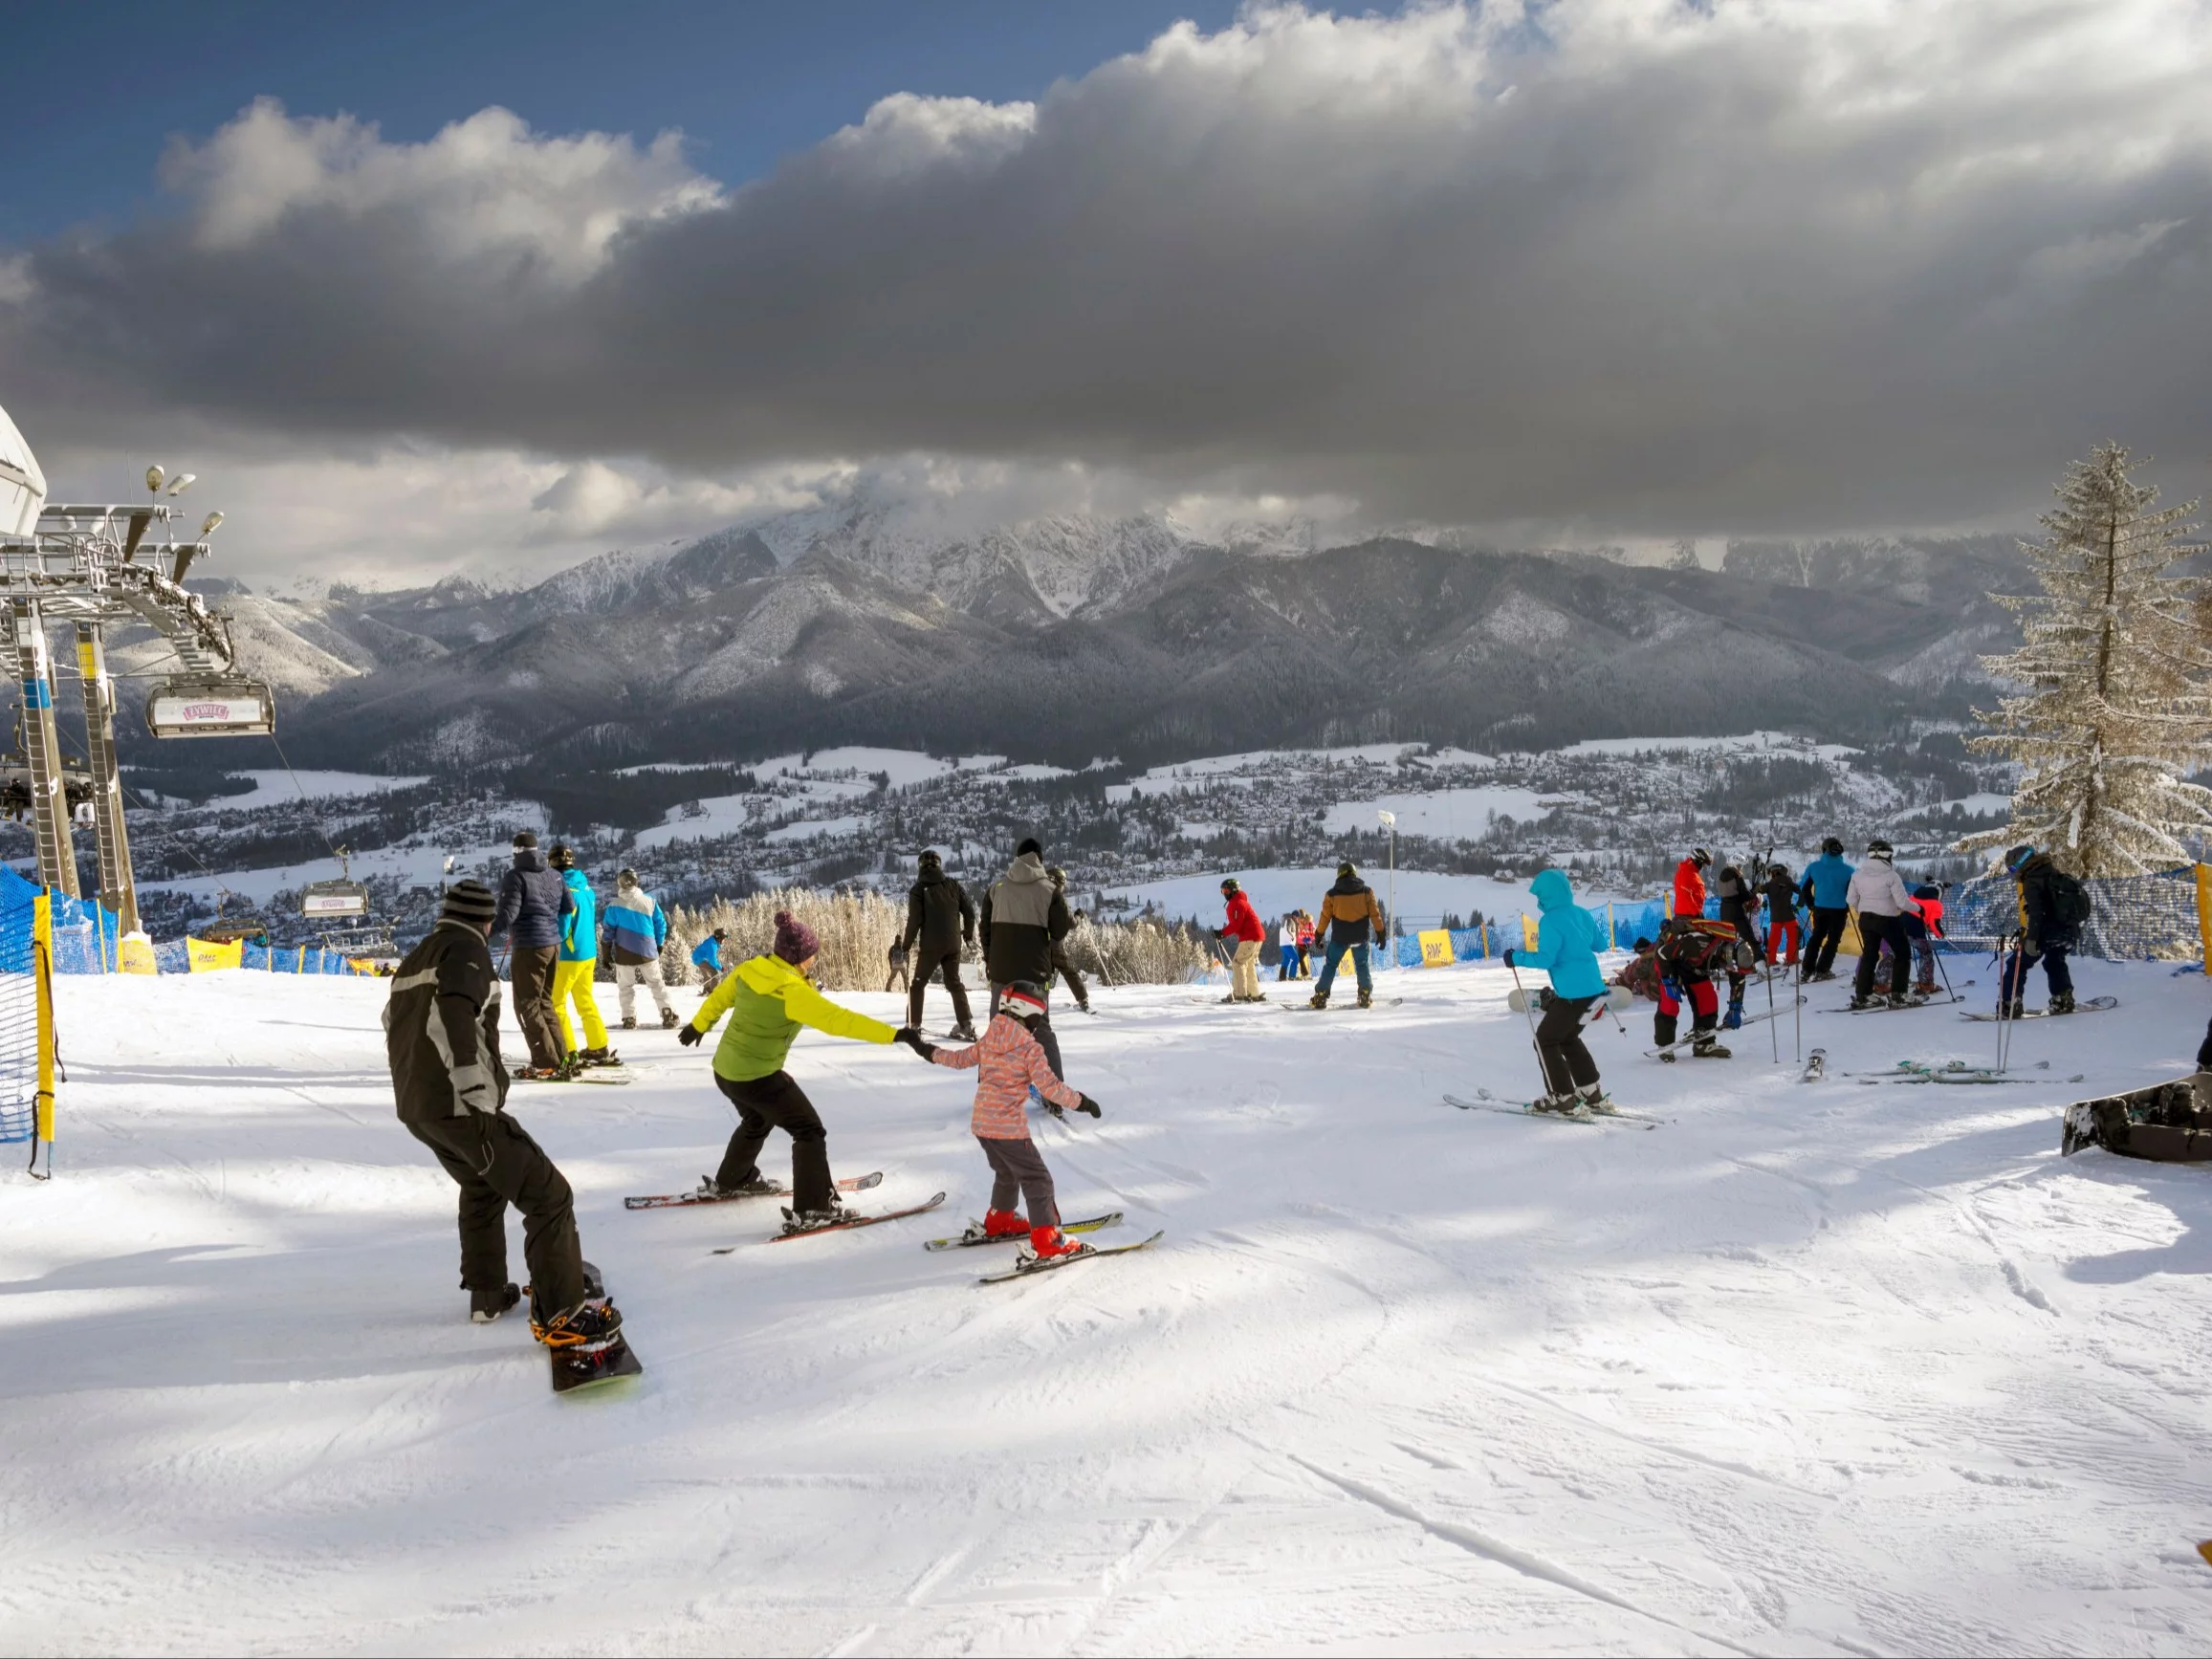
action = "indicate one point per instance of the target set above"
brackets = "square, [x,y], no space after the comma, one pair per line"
[1096,862]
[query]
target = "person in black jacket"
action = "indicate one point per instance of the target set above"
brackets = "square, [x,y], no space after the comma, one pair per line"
[1779,891]
[940,920]
[2047,932]
[1740,910]
[1064,964]
[1023,917]
[533,898]
[442,1043]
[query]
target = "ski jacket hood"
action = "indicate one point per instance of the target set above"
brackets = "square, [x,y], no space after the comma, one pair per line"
[768,1001]
[1565,939]
[533,898]
[580,919]
[636,929]
[1828,882]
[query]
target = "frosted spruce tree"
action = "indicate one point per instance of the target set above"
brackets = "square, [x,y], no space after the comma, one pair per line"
[2112,708]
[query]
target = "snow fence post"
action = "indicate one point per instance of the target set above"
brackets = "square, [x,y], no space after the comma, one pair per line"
[2205,913]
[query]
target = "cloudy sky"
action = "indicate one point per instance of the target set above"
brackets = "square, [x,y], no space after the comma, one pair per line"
[413,290]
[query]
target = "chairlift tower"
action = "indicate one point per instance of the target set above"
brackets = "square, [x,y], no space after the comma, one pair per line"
[93,567]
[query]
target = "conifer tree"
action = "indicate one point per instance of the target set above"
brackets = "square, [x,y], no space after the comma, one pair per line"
[2112,710]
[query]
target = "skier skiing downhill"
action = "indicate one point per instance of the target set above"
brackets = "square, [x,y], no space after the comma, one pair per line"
[1739,909]
[532,902]
[1241,924]
[442,1043]
[635,929]
[1567,949]
[2052,907]
[1827,892]
[1881,898]
[578,965]
[768,999]
[1010,1062]
[1023,917]
[940,919]
[1779,891]
[1351,916]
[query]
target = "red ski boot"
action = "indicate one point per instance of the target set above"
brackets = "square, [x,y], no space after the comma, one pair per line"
[1004,1224]
[1048,1246]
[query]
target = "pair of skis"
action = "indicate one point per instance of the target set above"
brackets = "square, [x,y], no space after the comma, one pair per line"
[2092,1005]
[1718,1032]
[1486,1102]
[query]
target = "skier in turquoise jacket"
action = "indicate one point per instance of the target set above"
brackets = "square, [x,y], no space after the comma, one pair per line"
[1567,949]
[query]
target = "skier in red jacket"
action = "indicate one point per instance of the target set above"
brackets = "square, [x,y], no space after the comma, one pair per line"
[1243,925]
[1690,883]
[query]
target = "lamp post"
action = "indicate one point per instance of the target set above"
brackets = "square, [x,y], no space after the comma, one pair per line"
[1390,820]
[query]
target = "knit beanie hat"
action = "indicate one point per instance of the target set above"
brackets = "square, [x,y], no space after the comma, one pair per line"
[795,940]
[526,838]
[471,901]
[933,860]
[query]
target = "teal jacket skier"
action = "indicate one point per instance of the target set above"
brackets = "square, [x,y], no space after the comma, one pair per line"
[1565,939]
[578,919]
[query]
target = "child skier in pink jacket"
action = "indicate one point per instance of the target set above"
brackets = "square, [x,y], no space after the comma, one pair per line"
[1010,1062]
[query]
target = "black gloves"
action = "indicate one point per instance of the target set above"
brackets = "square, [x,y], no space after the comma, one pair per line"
[1088,1104]
[912,1038]
[1507,959]
[690,1035]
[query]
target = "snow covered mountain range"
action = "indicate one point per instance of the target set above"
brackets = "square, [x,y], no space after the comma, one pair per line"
[1071,636]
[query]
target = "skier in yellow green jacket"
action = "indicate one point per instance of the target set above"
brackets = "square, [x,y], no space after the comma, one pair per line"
[768,999]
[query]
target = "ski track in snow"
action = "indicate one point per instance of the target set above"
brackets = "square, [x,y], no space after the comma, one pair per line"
[1810,1369]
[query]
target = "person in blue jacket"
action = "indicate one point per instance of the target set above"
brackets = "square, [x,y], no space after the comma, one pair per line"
[1567,949]
[1827,892]
[706,958]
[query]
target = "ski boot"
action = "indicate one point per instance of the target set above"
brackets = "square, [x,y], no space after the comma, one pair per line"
[1000,1224]
[543,1074]
[1595,1100]
[759,1187]
[669,1019]
[1898,999]
[798,1221]
[1048,1245]
[964,1032]
[1567,1105]
[1083,1005]
[1667,1057]
[1925,989]
[2018,1010]
[630,1022]
[487,1305]
[2061,1002]
[1733,1019]
[1858,1002]
[600,1056]
[1709,1048]
[1366,999]
[1318,999]
[595,1323]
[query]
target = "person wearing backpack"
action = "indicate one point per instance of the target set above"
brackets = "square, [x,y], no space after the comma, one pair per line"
[2052,907]
[1882,900]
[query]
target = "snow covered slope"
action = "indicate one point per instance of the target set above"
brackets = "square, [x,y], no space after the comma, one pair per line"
[1809,1369]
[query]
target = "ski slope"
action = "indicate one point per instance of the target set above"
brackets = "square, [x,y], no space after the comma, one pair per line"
[1831,1369]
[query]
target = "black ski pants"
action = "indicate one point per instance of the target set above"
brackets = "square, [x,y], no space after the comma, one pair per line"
[1873,932]
[495,1162]
[1017,1166]
[1567,1059]
[1046,1038]
[533,968]
[1069,973]
[926,968]
[1820,945]
[776,1101]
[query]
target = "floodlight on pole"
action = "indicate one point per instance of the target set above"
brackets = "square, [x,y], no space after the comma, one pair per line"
[182,483]
[154,477]
[208,525]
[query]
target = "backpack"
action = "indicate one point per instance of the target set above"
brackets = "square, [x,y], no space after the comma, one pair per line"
[2069,900]
[1698,942]
[1642,975]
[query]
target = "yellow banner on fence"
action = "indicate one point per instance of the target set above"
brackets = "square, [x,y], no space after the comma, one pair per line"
[205,958]
[1527,932]
[135,954]
[2205,911]
[1436,948]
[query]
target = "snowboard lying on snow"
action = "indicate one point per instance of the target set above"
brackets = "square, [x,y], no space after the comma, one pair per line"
[2161,1121]
[2087,1005]
[1617,997]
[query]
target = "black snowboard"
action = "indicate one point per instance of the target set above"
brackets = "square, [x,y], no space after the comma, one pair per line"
[2160,1121]
[575,1369]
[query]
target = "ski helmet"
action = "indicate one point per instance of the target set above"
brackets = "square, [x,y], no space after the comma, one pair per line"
[1878,848]
[1699,857]
[1229,884]
[559,857]
[1024,1000]
[1346,870]
[1832,848]
[2018,856]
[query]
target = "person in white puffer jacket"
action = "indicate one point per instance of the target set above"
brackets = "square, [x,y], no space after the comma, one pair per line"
[1881,898]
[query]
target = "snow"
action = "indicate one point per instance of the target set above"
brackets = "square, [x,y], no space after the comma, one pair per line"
[806,829]
[276,788]
[719,815]
[1445,812]
[1743,741]
[1808,1370]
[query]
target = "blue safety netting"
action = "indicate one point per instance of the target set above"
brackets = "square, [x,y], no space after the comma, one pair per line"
[18,1009]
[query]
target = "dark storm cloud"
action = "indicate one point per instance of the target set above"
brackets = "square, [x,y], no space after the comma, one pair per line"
[1644,266]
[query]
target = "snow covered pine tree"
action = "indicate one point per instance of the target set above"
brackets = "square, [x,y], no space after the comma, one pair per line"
[2114,661]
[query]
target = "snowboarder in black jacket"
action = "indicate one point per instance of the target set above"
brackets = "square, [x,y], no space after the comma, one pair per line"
[2047,930]
[442,1043]
[940,922]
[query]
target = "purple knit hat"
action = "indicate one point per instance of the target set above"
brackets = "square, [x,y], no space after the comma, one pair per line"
[795,940]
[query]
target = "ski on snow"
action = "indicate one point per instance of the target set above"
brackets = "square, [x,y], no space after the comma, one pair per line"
[2094,1005]
[1910,1002]
[970,1239]
[1486,1102]
[682,1200]
[857,1221]
[1718,1032]
[1327,1006]
[1037,1269]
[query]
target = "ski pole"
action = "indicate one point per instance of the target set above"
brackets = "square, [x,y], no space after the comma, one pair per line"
[1544,1073]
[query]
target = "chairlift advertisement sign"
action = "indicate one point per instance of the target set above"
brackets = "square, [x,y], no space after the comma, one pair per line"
[334,899]
[242,708]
